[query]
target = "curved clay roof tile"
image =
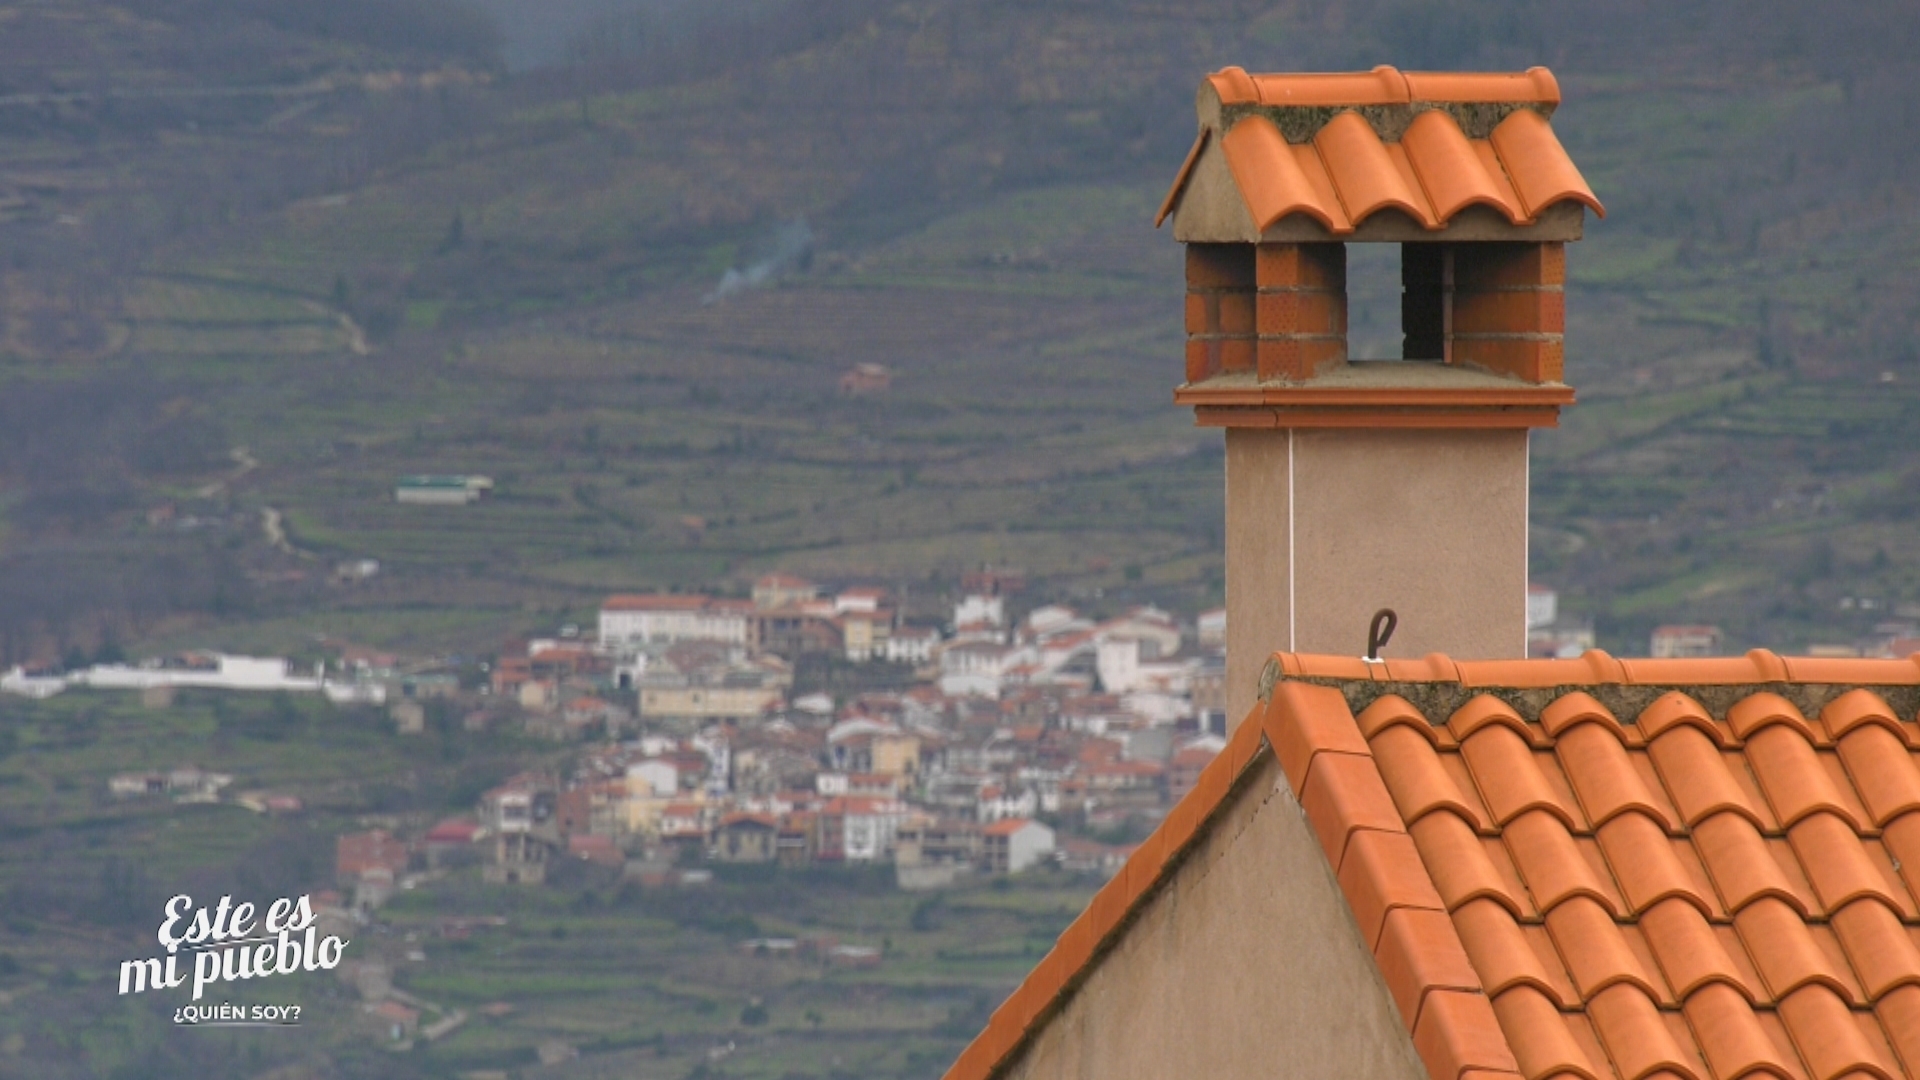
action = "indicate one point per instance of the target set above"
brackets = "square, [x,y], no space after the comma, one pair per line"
[1542,172]
[1453,175]
[1535,85]
[1274,180]
[1381,86]
[1364,173]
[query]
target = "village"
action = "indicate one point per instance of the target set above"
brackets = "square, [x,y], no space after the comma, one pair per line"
[986,745]
[1001,744]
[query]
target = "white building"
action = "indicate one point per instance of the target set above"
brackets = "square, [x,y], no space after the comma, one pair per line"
[976,610]
[630,621]
[1015,844]
[655,777]
[1543,606]
[911,645]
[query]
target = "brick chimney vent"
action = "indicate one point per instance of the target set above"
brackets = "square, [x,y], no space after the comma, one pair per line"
[1462,170]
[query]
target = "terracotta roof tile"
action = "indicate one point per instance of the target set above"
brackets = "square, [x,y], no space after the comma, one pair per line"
[1344,793]
[1698,778]
[1467,868]
[1346,160]
[1419,954]
[1457,1031]
[1604,776]
[1503,956]
[1646,866]
[1709,885]
[1828,1037]
[1637,1040]
[1839,866]
[1382,872]
[1743,867]
[1882,770]
[1690,953]
[1732,1037]
[1882,950]
[1597,953]
[1413,770]
[1552,864]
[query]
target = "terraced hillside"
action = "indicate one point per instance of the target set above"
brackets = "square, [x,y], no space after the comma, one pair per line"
[383,253]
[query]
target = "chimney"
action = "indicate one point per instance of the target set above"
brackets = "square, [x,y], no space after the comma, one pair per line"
[1360,483]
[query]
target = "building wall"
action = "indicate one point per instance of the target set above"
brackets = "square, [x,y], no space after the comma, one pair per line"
[1324,527]
[1247,963]
[706,702]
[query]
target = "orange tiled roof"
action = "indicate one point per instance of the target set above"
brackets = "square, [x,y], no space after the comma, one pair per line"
[1339,148]
[1593,868]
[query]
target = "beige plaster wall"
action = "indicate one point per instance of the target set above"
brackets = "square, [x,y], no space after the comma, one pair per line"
[1326,526]
[1247,963]
[1258,576]
[1430,523]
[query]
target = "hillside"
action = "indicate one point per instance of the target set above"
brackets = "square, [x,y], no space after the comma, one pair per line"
[261,261]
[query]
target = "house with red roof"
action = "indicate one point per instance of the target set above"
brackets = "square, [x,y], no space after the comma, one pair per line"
[1472,865]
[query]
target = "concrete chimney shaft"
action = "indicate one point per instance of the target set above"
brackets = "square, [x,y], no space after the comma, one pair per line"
[1355,485]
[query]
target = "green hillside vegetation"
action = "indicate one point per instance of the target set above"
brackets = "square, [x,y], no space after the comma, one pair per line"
[378,251]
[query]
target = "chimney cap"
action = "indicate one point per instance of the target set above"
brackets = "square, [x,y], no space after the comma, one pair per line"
[1380,155]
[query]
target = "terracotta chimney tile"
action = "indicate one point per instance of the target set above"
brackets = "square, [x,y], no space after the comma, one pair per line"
[1542,172]
[1840,868]
[1732,1037]
[1883,771]
[1647,867]
[1782,947]
[1830,1041]
[1457,1032]
[1420,954]
[1274,181]
[1463,866]
[1881,950]
[1381,86]
[1363,172]
[1504,957]
[1344,794]
[1453,176]
[1604,777]
[1543,1044]
[1742,868]
[1535,84]
[1597,952]
[1637,1039]
[1690,954]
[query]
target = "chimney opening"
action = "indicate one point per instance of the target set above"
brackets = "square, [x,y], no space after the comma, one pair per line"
[1399,301]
